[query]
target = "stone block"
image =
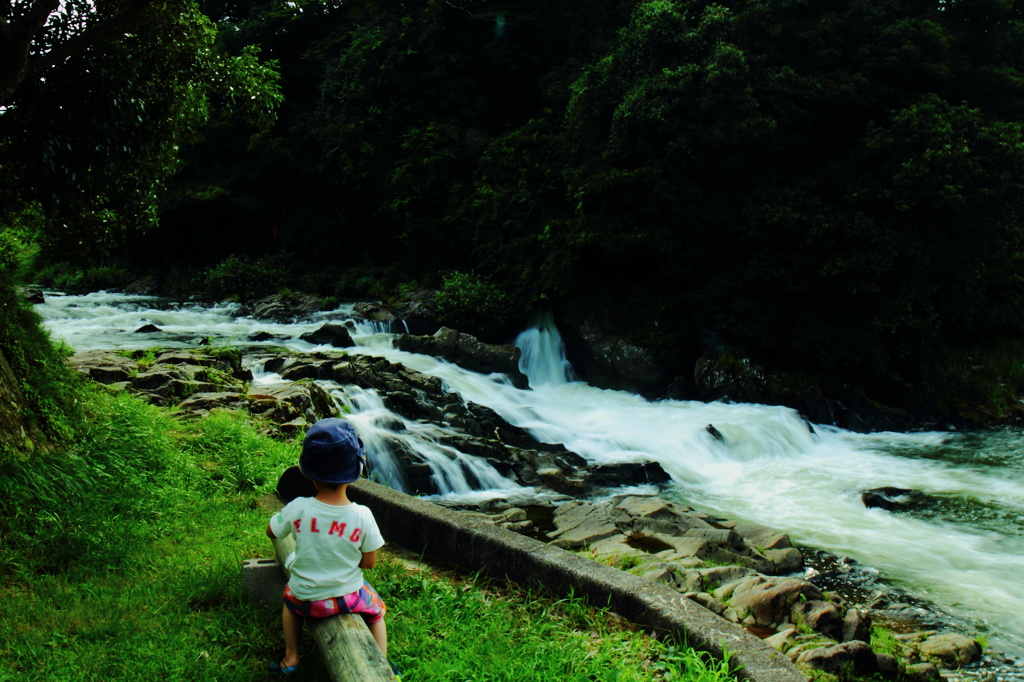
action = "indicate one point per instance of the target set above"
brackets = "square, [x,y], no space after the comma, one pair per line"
[262,580]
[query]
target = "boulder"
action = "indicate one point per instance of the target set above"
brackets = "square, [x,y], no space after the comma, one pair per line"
[729,379]
[418,313]
[32,295]
[330,334]
[466,351]
[614,362]
[856,626]
[285,307]
[841,659]
[285,404]
[892,499]
[950,649]
[148,329]
[821,616]
[769,601]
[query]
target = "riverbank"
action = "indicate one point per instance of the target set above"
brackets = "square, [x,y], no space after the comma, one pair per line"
[766,466]
[126,547]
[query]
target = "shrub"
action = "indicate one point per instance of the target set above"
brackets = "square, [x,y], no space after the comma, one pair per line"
[246,279]
[472,304]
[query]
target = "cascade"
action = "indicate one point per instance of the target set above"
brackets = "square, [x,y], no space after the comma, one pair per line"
[965,551]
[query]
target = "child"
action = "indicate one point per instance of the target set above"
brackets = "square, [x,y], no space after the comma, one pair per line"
[334,540]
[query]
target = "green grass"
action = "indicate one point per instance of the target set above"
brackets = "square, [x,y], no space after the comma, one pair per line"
[121,559]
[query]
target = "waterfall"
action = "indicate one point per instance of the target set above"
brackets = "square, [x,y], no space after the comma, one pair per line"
[543,353]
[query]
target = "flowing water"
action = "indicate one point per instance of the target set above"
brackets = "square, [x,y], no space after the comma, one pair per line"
[963,551]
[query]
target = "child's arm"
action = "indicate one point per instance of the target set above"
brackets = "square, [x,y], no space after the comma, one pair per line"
[270,533]
[368,560]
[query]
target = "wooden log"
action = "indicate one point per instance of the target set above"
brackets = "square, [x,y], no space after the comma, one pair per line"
[349,651]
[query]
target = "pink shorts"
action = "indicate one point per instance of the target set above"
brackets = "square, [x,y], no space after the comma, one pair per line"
[366,602]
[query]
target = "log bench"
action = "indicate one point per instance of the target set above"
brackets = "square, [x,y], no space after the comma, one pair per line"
[349,651]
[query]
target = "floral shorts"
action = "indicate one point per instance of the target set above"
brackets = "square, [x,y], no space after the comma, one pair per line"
[366,602]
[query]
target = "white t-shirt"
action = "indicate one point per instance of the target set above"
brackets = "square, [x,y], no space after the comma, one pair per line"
[329,543]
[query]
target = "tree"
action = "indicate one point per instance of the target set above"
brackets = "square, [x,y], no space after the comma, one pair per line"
[99,99]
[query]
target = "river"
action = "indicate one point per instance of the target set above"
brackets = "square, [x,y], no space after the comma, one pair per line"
[963,552]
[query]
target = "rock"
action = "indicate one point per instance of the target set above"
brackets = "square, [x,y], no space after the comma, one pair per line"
[922,672]
[727,378]
[148,329]
[375,311]
[417,312]
[104,367]
[951,650]
[285,404]
[888,666]
[785,560]
[856,626]
[330,334]
[770,600]
[781,639]
[285,307]
[820,616]
[841,658]
[466,351]
[613,362]
[626,473]
[202,403]
[33,296]
[266,336]
[892,499]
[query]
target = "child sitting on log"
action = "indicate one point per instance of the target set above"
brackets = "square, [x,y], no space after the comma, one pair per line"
[335,539]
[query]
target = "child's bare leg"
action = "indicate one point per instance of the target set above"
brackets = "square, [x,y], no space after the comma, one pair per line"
[292,626]
[380,634]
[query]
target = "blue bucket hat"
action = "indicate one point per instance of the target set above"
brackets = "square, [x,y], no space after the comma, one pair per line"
[332,452]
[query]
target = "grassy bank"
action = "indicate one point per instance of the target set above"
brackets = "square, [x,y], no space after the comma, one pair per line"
[121,556]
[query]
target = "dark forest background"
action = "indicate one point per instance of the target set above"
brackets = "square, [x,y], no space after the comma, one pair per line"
[833,189]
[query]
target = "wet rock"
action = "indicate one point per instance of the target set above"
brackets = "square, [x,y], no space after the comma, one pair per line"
[330,334]
[418,313]
[892,499]
[728,378]
[626,473]
[266,336]
[614,362]
[148,329]
[466,351]
[285,307]
[374,311]
[32,295]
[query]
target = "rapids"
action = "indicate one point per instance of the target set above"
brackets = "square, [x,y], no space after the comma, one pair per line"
[963,552]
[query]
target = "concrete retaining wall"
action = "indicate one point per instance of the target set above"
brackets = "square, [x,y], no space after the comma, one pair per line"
[434,531]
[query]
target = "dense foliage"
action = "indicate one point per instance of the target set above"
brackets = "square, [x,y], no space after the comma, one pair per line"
[832,187]
[108,95]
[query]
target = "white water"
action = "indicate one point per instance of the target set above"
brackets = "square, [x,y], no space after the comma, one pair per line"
[770,467]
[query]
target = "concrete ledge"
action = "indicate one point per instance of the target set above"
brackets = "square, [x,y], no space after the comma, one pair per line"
[432,530]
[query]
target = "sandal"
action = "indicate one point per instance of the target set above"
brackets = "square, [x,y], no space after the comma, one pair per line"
[275,667]
[396,671]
